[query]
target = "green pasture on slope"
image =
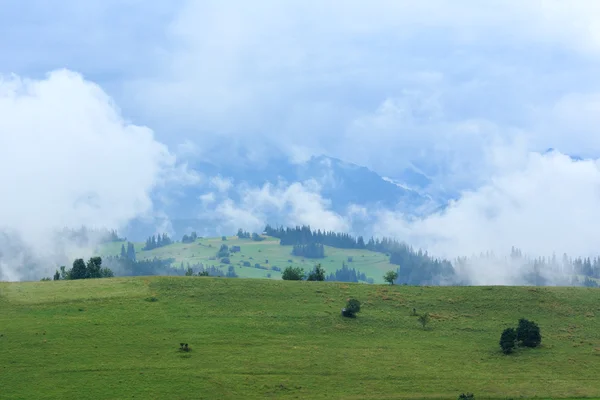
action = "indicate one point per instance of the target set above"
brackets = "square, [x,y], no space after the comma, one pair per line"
[373,264]
[256,339]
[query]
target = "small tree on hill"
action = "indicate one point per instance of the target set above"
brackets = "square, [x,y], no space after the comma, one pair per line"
[508,340]
[79,271]
[390,277]
[424,319]
[528,333]
[293,274]
[318,274]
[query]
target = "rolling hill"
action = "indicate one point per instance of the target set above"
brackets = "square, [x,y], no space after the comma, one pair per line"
[266,253]
[250,338]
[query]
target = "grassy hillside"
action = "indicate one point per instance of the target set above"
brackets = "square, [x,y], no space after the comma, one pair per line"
[104,339]
[373,264]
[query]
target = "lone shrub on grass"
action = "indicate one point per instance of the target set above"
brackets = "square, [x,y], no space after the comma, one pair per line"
[293,274]
[508,340]
[318,274]
[352,307]
[528,333]
[390,277]
[424,320]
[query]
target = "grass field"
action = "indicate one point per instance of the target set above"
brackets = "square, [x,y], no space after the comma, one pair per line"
[373,264]
[252,338]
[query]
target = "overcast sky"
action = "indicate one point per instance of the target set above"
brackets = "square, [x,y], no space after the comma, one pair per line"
[469,86]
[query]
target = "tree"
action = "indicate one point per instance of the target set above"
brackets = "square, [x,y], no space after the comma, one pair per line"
[94,267]
[508,340]
[390,277]
[352,307]
[293,274]
[57,276]
[528,333]
[123,253]
[318,274]
[424,319]
[79,271]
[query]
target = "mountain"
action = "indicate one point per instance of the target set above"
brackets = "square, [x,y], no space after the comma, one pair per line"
[342,183]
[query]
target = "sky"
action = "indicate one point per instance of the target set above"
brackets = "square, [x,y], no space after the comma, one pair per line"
[470,91]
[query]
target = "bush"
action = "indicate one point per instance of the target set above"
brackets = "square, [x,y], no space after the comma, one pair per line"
[293,274]
[424,319]
[390,277]
[318,274]
[466,396]
[184,347]
[246,264]
[508,340]
[225,260]
[528,333]
[352,307]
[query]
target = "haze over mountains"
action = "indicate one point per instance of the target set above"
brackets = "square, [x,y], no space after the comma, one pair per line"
[380,118]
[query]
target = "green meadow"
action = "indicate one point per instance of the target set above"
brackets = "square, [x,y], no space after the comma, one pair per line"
[119,338]
[373,264]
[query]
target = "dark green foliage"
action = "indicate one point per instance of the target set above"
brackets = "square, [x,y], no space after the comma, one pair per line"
[257,238]
[223,238]
[317,274]
[311,250]
[246,264]
[293,274]
[94,267]
[223,251]
[79,270]
[466,396]
[528,333]
[189,271]
[231,272]
[346,274]
[417,267]
[203,273]
[156,241]
[351,309]
[390,277]
[45,279]
[184,347]
[424,320]
[243,234]
[225,260]
[151,299]
[508,340]
[189,238]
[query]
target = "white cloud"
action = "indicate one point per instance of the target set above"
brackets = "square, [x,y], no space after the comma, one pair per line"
[68,158]
[547,204]
[288,205]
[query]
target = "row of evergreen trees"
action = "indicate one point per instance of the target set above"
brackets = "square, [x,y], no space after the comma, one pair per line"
[346,274]
[156,241]
[93,269]
[311,250]
[416,267]
[191,238]
[129,253]
[242,234]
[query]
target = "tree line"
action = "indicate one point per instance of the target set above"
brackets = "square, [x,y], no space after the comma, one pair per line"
[82,270]
[415,266]
[156,241]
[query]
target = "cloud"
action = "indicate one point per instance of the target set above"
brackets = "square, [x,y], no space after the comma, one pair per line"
[543,204]
[68,158]
[298,203]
